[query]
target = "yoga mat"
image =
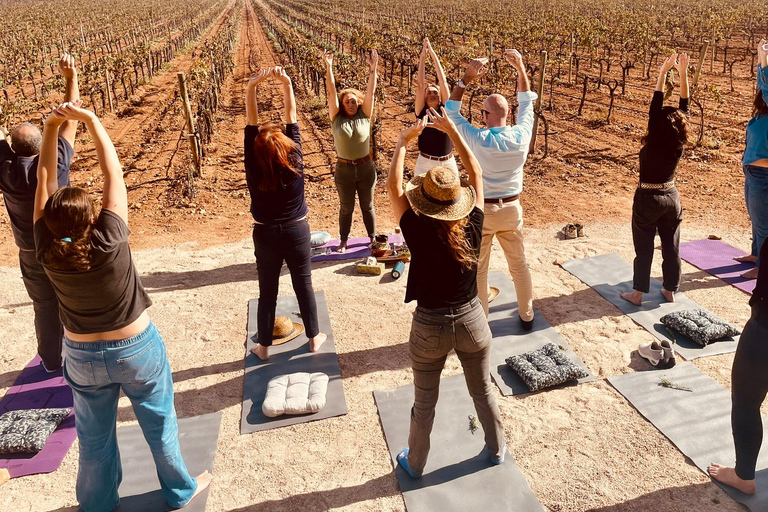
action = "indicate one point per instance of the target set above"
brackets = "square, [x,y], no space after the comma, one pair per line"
[357,249]
[291,357]
[609,275]
[716,258]
[459,475]
[37,389]
[697,422]
[140,488]
[509,338]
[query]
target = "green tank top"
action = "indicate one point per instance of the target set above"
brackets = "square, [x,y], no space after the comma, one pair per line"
[352,135]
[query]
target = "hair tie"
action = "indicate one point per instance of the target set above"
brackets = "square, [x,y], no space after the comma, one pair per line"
[65,239]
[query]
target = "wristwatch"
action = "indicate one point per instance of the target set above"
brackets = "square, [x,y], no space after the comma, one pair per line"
[462,84]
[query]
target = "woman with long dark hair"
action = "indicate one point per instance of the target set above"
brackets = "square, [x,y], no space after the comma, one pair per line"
[755,163]
[110,344]
[274,170]
[351,113]
[442,223]
[656,206]
[435,147]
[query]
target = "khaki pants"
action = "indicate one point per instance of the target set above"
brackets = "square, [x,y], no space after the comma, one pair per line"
[505,221]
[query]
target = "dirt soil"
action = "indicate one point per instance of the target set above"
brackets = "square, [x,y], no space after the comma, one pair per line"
[580,449]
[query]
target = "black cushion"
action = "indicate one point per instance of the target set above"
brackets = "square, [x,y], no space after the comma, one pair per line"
[26,431]
[545,367]
[700,325]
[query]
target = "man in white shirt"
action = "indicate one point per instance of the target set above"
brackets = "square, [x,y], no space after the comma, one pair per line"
[501,150]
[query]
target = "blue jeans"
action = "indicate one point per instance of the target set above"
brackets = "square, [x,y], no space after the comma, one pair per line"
[756,194]
[97,372]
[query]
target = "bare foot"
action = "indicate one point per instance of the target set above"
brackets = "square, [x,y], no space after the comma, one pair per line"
[316,342]
[728,476]
[746,259]
[750,274]
[635,297]
[670,296]
[261,351]
[342,247]
[203,481]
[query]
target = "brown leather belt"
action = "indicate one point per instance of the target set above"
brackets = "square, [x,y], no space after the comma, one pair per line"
[354,162]
[437,158]
[500,200]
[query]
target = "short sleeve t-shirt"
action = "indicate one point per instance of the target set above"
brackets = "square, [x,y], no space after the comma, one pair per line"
[436,279]
[109,296]
[18,182]
[432,141]
[352,135]
[285,204]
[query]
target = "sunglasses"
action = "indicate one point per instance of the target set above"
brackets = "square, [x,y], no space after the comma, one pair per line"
[484,111]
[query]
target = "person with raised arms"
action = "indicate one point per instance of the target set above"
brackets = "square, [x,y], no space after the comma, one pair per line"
[110,344]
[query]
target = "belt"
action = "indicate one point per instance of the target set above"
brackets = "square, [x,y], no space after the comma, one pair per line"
[354,162]
[657,186]
[436,158]
[501,200]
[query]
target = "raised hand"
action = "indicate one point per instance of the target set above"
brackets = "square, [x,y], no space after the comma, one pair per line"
[514,59]
[682,63]
[69,112]
[762,52]
[414,130]
[279,73]
[259,77]
[372,60]
[67,66]
[475,70]
[669,63]
[440,121]
[328,59]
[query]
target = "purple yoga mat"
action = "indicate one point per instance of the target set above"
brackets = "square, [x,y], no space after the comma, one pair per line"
[37,389]
[357,249]
[716,258]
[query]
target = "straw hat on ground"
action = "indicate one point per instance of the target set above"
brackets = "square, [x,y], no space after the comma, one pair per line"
[285,330]
[439,194]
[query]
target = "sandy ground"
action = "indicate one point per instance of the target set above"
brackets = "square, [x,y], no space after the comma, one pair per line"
[581,448]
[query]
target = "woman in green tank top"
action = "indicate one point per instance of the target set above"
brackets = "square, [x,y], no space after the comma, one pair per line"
[350,113]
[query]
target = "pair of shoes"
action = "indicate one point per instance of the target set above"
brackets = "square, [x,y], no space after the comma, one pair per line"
[503,456]
[579,230]
[570,232]
[660,355]
[527,324]
[402,459]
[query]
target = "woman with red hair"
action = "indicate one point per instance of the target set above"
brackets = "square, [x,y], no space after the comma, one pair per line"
[274,170]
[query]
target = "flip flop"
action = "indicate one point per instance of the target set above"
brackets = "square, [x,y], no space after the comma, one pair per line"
[402,459]
[493,292]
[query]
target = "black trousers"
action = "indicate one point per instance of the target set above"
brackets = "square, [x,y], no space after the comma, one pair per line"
[749,385]
[289,243]
[48,326]
[652,211]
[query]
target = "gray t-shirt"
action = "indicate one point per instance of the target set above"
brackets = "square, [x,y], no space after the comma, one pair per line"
[107,297]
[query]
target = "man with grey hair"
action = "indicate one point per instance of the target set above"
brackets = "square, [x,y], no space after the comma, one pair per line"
[501,150]
[18,181]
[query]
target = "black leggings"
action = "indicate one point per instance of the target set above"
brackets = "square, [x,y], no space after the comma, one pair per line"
[652,211]
[749,383]
[287,242]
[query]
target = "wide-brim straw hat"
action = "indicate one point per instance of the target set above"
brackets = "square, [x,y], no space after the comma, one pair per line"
[439,194]
[285,330]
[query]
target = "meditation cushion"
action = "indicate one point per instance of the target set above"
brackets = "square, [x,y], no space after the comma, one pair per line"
[26,431]
[297,393]
[700,325]
[318,238]
[545,367]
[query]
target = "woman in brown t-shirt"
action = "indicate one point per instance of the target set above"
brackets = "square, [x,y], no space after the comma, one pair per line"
[110,344]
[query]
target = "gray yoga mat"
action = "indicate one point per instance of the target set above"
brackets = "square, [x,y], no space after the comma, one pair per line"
[459,475]
[698,422]
[140,488]
[509,338]
[291,357]
[609,275]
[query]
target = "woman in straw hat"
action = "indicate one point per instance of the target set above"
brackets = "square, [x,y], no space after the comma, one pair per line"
[274,170]
[110,344]
[442,221]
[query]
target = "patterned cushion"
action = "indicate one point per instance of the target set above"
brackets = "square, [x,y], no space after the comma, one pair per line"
[27,430]
[297,393]
[700,325]
[545,367]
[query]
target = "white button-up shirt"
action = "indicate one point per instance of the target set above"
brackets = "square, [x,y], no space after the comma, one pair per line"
[501,151]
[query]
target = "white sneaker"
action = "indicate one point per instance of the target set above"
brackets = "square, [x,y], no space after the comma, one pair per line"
[653,352]
[669,354]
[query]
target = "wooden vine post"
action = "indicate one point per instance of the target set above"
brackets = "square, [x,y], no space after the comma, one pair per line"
[540,92]
[109,90]
[702,52]
[191,135]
